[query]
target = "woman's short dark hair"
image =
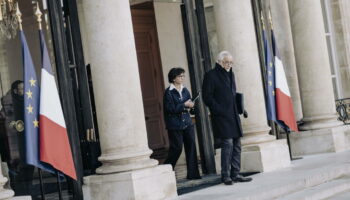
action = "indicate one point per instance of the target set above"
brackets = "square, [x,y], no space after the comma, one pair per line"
[174,72]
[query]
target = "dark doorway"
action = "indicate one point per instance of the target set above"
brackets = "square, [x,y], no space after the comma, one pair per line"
[151,76]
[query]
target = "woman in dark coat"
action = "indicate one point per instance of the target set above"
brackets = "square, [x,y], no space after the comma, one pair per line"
[177,101]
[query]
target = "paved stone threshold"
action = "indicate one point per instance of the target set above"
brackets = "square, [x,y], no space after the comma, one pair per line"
[185,186]
[304,179]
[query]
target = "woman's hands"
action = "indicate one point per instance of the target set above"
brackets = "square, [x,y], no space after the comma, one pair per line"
[189,104]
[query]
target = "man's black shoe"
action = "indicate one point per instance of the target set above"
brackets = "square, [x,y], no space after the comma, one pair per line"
[227,181]
[240,178]
[194,177]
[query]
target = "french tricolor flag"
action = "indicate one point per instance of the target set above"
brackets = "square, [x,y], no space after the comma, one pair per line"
[54,143]
[284,104]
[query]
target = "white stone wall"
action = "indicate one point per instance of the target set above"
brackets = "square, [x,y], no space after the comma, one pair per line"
[341,23]
[212,34]
[4,68]
[171,39]
[84,33]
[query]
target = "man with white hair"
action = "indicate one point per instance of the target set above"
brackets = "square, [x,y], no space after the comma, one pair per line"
[219,94]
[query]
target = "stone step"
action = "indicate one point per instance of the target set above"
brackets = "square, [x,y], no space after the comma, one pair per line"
[21,198]
[311,171]
[322,191]
[341,196]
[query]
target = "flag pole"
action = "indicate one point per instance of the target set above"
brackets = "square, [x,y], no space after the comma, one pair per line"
[274,126]
[277,131]
[271,123]
[59,185]
[41,184]
[288,131]
[270,20]
[262,19]
[38,15]
[19,17]
[288,142]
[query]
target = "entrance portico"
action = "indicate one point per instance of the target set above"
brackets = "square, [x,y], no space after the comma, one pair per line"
[127,172]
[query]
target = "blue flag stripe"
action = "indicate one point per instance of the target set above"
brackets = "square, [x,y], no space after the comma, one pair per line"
[44,54]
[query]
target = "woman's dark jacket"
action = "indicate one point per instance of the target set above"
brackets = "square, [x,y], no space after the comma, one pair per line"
[176,114]
[219,94]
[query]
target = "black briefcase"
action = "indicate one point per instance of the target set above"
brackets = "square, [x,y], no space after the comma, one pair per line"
[240,103]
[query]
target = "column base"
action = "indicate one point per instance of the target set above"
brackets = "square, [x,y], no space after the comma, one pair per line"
[20,198]
[320,122]
[6,194]
[125,161]
[250,139]
[325,140]
[265,157]
[146,184]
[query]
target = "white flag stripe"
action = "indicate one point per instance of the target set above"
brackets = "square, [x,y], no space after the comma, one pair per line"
[51,107]
[281,81]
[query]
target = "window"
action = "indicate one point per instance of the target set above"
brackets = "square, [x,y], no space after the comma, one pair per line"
[332,52]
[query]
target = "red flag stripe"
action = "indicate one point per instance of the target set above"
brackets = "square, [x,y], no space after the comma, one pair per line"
[55,148]
[285,112]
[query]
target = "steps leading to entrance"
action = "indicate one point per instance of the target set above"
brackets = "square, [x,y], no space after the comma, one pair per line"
[305,182]
[341,196]
[317,177]
[322,191]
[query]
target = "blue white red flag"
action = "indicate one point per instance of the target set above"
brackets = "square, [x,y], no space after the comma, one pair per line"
[284,105]
[55,148]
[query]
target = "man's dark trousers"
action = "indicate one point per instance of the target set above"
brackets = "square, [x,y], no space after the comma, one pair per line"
[230,157]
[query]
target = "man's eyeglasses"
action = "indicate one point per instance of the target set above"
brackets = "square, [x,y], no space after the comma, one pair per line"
[230,63]
[181,76]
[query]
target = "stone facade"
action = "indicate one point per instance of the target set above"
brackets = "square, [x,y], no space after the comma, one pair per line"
[127,172]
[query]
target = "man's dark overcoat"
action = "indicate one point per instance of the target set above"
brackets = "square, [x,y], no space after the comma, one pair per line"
[219,94]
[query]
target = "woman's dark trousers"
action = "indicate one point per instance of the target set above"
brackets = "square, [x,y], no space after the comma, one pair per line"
[177,138]
[230,157]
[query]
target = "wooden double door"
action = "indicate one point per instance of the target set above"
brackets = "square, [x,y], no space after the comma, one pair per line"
[151,77]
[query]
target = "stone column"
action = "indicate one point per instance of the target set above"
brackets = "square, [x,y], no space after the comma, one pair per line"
[341,19]
[313,64]
[344,6]
[235,30]
[127,172]
[284,39]
[4,193]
